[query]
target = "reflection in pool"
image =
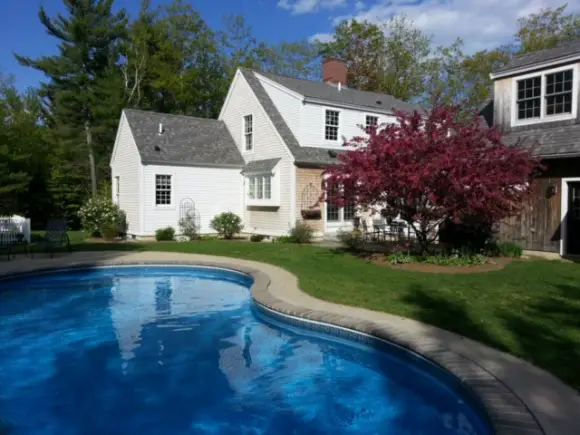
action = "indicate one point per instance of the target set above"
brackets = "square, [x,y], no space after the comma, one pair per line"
[176,350]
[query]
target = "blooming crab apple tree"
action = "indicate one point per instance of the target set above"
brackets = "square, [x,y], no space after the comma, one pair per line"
[432,167]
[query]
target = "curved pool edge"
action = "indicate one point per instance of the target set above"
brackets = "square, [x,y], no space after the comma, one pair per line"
[506,411]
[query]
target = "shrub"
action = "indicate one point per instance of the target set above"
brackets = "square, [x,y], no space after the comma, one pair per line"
[188,227]
[510,250]
[100,212]
[257,237]
[284,239]
[164,234]
[301,233]
[400,258]
[227,224]
[456,260]
[109,231]
[208,237]
[350,239]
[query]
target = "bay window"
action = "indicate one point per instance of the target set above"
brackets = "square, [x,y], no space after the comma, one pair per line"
[260,187]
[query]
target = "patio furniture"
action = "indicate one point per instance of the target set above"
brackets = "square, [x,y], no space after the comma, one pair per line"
[56,236]
[379,229]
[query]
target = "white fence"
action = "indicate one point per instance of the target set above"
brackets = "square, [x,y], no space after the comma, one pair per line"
[10,227]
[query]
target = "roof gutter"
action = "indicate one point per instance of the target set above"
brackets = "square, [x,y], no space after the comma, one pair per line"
[558,156]
[199,164]
[523,69]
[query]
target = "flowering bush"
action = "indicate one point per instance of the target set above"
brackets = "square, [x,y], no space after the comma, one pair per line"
[227,224]
[99,213]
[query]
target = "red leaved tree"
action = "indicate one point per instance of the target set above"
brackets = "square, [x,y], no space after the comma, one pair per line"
[431,168]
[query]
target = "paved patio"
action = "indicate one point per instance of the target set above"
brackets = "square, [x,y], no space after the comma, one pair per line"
[520,398]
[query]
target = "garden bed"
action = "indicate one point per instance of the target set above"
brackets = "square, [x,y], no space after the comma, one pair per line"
[493,265]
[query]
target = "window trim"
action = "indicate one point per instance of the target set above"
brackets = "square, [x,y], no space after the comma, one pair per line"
[339,130]
[367,115]
[253,135]
[171,184]
[341,221]
[260,180]
[515,122]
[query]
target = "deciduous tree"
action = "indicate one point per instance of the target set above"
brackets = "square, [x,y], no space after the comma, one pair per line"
[431,169]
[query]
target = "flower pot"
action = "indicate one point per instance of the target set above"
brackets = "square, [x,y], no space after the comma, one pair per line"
[311,214]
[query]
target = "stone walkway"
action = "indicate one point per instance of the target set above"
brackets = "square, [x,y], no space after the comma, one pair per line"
[521,399]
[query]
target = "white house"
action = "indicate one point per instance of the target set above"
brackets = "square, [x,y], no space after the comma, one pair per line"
[262,159]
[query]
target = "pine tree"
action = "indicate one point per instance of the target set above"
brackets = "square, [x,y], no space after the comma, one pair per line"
[76,95]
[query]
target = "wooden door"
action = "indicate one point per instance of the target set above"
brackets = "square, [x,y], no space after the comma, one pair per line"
[573,219]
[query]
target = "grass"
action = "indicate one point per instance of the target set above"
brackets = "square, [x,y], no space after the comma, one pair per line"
[530,309]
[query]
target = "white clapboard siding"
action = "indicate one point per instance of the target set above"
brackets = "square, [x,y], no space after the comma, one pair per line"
[313,122]
[213,190]
[267,145]
[126,164]
[288,104]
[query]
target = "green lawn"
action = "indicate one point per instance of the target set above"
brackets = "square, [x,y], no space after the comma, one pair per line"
[530,309]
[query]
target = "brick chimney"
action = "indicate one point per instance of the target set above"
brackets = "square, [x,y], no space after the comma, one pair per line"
[334,71]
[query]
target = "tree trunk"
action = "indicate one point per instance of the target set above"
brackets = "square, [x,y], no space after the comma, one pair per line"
[92,166]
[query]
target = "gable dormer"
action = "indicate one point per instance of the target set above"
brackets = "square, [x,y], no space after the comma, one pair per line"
[538,89]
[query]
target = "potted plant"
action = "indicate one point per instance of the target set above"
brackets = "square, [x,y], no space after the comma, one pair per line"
[311,214]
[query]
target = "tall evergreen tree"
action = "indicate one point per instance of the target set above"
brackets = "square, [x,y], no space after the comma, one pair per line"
[77,91]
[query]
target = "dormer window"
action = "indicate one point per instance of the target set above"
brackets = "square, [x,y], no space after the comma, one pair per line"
[546,96]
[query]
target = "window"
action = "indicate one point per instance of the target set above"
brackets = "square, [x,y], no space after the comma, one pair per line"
[559,93]
[252,188]
[162,189]
[545,95]
[259,181]
[268,187]
[260,187]
[117,189]
[529,98]
[332,213]
[248,132]
[331,125]
[372,121]
[349,212]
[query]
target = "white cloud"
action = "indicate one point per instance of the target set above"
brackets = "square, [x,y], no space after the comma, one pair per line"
[480,23]
[308,6]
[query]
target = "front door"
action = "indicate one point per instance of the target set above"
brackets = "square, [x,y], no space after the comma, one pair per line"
[573,219]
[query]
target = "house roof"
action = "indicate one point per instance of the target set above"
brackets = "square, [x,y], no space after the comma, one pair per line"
[560,141]
[266,165]
[302,155]
[561,52]
[324,92]
[185,140]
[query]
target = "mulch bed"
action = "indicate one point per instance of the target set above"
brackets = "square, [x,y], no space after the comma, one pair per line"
[495,264]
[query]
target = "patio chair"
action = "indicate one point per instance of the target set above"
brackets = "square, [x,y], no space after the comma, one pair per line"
[56,236]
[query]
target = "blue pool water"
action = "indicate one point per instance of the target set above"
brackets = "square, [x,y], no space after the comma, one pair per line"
[179,350]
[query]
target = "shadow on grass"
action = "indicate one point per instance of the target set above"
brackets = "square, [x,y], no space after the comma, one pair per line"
[545,331]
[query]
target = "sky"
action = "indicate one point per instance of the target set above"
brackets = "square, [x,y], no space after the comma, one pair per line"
[480,23]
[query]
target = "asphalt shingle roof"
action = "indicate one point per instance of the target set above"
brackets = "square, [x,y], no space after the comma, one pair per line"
[185,140]
[562,51]
[560,141]
[322,91]
[265,165]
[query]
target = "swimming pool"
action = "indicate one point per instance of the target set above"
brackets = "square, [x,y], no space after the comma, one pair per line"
[175,350]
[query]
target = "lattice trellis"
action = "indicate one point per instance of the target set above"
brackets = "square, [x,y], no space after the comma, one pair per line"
[187,209]
[310,202]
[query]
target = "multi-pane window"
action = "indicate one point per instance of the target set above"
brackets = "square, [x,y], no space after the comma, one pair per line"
[372,121]
[529,98]
[268,187]
[331,125]
[260,187]
[248,132]
[117,189]
[332,210]
[545,95]
[559,92]
[162,189]
[349,212]
[252,188]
